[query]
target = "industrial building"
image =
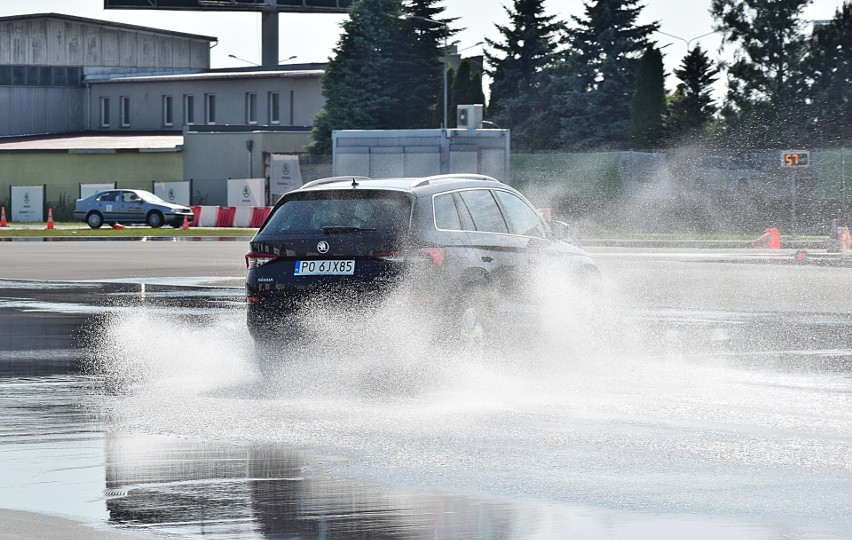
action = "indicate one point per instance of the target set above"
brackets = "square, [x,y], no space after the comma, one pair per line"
[88,101]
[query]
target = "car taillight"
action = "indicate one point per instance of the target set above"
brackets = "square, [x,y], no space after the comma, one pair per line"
[256,260]
[433,255]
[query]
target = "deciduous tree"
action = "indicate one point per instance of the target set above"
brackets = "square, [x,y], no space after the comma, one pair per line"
[765,77]
[829,69]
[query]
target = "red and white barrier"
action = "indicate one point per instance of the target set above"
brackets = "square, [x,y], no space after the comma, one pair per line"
[248,217]
[207,215]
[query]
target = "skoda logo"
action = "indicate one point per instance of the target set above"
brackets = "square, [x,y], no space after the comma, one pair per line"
[322,246]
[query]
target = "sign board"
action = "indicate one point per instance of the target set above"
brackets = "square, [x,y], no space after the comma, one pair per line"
[247,192]
[87,190]
[173,192]
[795,158]
[285,175]
[295,6]
[27,203]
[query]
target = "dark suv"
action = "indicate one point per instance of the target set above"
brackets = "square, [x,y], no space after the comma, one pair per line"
[458,247]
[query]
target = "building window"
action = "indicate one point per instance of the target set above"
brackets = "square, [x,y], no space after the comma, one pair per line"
[210,108]
[251,108]
[188,109]
[274,108]
[125,111]
[168,113]
[292,99]
[104,112]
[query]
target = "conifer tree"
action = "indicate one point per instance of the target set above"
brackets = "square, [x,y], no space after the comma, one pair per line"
[692,106]
[386,69]
[420,52]
[648,106]
[525,48]
[605,47]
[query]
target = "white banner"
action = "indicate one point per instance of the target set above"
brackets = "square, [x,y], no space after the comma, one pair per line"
[285,175]
[247,192]
[173,192]
[28,203]
[87,190]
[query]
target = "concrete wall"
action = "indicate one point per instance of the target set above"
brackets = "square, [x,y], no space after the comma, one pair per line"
[422,152]
[300,99]
[211,158]
[26,110]
[63,171]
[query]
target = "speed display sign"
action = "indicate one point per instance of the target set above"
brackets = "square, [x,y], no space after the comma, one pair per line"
[795,158]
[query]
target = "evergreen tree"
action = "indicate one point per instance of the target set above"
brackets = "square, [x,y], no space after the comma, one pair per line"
[525,48]
[467,86]
[829,66]
[648,107]
[421,56]
[605,48]
[765,77]
[692,106]
[386,69]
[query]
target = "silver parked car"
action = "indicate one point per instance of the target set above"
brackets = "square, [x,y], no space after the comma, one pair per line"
[129,206]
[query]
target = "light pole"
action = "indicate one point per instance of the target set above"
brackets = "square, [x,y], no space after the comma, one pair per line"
[687,41]
[243,60]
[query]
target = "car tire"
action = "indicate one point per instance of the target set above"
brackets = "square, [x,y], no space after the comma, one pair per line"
[95,220]
[155,220]
[474,318]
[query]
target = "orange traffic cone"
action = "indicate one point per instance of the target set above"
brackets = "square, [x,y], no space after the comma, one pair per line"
[185,223]
[50,218]
[3,218]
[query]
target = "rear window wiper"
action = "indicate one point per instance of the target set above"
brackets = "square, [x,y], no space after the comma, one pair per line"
[339,229]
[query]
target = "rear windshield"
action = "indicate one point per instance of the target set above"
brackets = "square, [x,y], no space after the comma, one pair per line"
[384,211]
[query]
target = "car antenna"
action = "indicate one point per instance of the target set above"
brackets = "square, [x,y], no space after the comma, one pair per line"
[354,182]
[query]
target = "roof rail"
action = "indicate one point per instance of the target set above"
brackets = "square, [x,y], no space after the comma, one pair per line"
[332,179]
[463,176]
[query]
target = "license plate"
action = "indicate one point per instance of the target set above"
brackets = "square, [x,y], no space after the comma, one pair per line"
[324,268]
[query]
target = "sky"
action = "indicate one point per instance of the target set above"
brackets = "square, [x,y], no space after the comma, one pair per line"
[311,37]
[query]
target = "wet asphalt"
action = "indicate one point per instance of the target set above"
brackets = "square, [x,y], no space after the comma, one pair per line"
[131,403]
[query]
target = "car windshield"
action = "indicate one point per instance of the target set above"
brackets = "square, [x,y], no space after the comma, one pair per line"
[384,211]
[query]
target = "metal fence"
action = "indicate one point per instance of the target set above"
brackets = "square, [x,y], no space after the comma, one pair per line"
[798,191]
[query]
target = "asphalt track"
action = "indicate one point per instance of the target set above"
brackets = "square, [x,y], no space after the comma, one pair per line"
[96,260]
[758,280]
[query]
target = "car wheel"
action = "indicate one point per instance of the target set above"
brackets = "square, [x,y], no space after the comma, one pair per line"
[473,323]
[155,220]
[95,220]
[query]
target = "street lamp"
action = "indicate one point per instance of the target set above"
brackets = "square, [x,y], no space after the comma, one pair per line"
[687,41]
[243,60]
[288,59]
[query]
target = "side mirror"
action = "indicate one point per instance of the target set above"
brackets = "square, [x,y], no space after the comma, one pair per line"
[565,232]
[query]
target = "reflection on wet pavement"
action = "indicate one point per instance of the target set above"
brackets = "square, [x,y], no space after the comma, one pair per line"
[700,424]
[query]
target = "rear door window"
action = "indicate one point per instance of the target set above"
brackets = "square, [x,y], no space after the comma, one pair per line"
[484,211]
[109,196]
[383,211]
[446,213]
